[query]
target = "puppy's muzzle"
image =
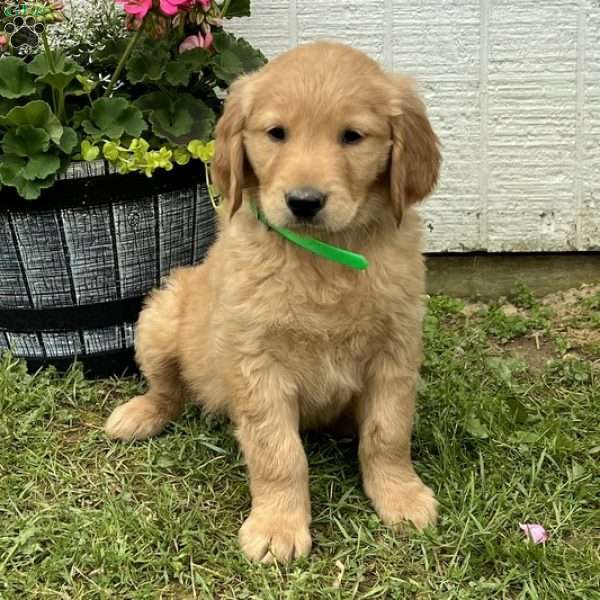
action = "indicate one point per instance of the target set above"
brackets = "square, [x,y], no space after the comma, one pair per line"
[305,202]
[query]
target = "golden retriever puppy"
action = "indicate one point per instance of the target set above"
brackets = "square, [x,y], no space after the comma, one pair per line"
[323,142]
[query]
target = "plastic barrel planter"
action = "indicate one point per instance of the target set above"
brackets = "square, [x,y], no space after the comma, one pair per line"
[76,264]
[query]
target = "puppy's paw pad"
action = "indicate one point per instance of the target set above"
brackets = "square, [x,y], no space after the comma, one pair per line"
[137,419]
[412,501]
[268,538]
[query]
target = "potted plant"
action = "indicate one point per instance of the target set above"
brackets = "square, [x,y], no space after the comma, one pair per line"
[105,124]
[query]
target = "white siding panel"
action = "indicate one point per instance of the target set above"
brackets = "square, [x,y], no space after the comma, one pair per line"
[270,27]
[437,40]
[457,204]
[532,125]
[360,24]
[589,173]
[438,43]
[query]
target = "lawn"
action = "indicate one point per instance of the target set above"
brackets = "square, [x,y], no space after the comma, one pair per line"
[508,431]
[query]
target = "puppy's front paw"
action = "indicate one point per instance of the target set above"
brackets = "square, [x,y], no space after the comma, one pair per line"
[266,537]
[397,500]
[138,419]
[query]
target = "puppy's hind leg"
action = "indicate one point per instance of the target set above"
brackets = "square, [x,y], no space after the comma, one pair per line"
[156,353]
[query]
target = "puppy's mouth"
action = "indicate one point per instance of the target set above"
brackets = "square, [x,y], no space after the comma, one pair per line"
[314,224]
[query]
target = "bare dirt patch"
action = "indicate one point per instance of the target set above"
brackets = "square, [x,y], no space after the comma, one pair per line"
[576,318]
[536,351]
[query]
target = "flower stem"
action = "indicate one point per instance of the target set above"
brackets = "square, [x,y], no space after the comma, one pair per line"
[48,52]
[128,50]
[215,199]
[52,66]
[225,8]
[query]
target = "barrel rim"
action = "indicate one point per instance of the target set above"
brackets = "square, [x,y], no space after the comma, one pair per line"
[108,188]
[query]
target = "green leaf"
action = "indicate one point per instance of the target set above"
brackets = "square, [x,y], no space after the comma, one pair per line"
[143,68]
[238,8]
[228,63]
[148,63]
[58,81]
[40,65]
[80,116]
[505,369]
[89,151]
[12,169]
[196,58]
[181,156]
[112,118]
[476,428]
[168,118]
[5,105]
[178,119]
[38,114]
[25,141]
[154,101]
[111,51]
[61,76]
[174,122]
[204,151]
[110,151]
[68,141]
[179,71]
[88,84]
[526,437]
[234,57]
[40,166]
[31,190]
[177,74]
[15,81]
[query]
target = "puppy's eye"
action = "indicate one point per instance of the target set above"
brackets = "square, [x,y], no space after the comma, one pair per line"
[277,134]
[351,136]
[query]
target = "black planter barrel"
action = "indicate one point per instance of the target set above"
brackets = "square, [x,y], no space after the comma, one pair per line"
[76,264]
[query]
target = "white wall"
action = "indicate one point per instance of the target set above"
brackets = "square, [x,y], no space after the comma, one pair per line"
[513,90]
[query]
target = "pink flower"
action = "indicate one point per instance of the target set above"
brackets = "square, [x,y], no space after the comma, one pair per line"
[535,532]
[205,4]
[137,8]
[3,41]
[196,41]
[172,7]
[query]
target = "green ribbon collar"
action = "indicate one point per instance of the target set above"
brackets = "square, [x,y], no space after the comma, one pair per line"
[333,253]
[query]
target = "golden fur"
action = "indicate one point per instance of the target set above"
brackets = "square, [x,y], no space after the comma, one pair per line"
[280,339]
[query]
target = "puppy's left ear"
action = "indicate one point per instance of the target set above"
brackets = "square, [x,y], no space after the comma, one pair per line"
[230,169]
[415,158]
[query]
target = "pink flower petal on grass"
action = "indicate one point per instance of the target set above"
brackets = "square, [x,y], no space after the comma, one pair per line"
[535,532]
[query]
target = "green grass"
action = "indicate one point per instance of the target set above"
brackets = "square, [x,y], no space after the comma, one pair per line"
[505,434]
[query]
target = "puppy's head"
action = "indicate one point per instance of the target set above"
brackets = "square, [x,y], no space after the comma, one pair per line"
[327,139]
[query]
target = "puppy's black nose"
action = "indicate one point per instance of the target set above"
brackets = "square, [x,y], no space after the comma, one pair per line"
[305,202]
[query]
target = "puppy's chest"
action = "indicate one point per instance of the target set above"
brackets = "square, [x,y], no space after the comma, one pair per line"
[325,338]
[334,316]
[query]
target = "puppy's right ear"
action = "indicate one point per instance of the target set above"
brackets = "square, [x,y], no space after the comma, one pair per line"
[229,165]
